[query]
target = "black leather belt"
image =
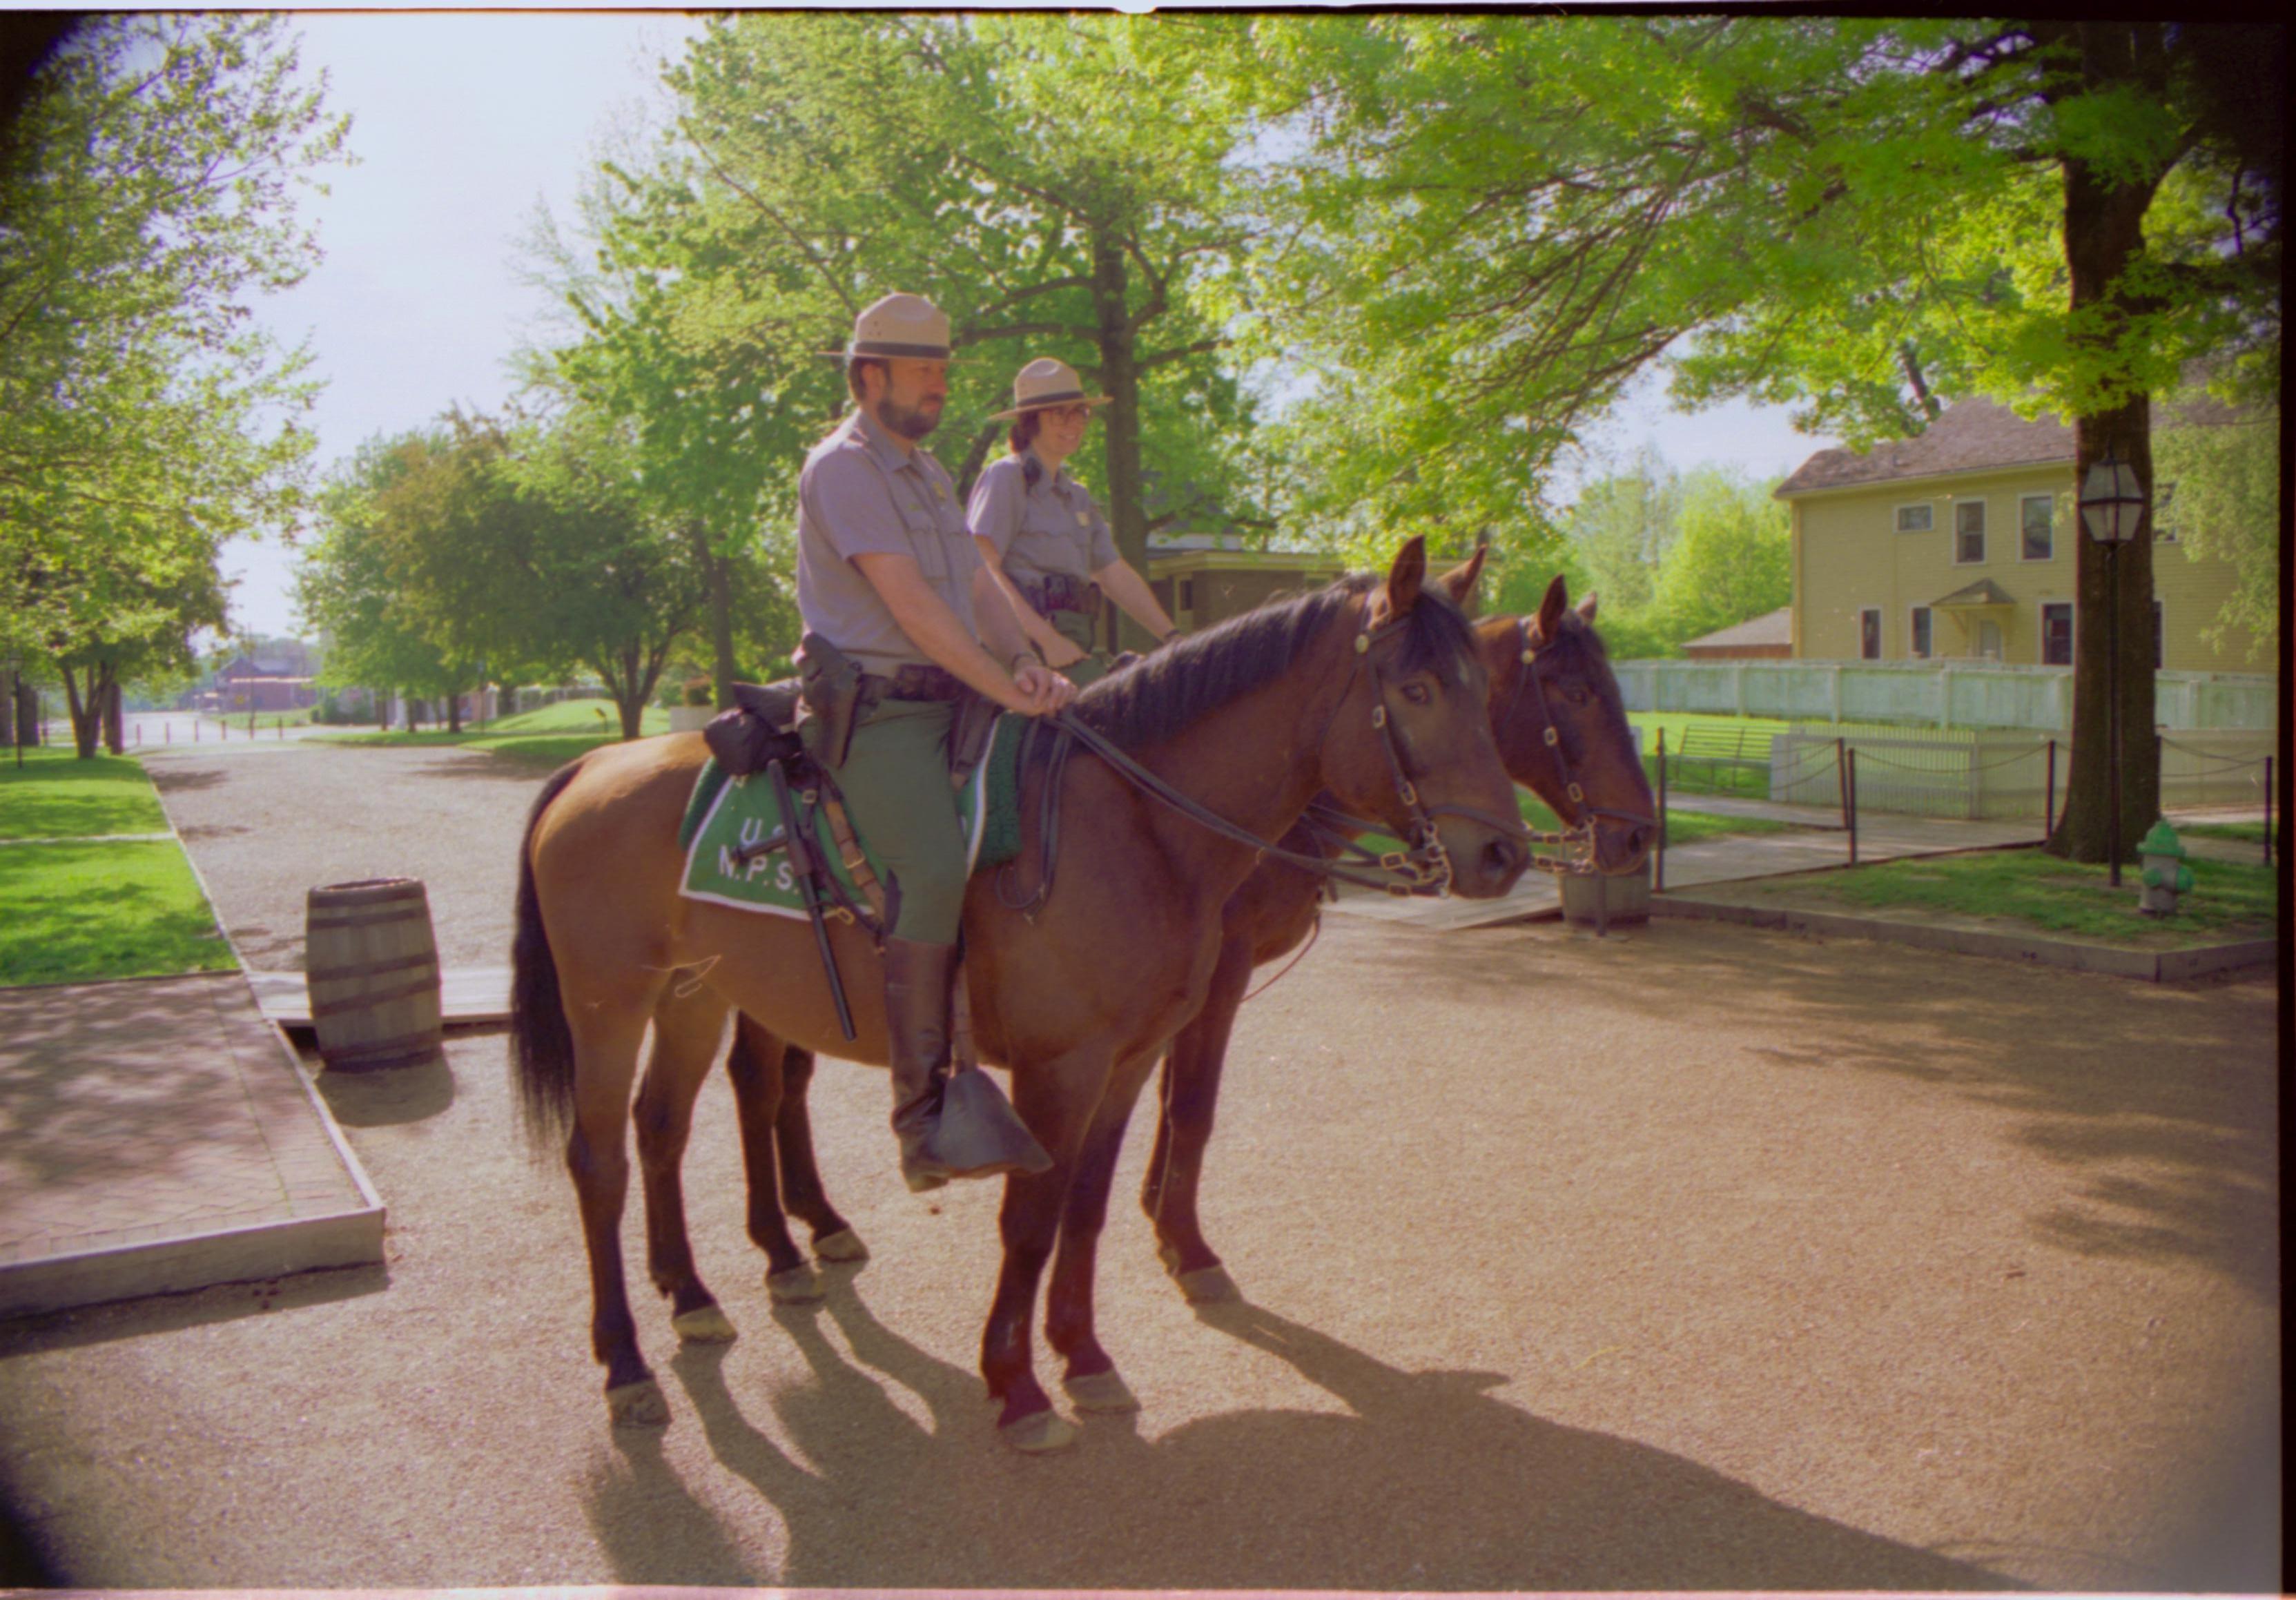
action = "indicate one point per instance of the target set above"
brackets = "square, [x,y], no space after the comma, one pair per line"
[1061,595]
[912,682]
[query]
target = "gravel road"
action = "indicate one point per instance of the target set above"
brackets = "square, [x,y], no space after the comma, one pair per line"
[1692,1258]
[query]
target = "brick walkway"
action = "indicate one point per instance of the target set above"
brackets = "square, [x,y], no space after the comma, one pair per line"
[156,1136]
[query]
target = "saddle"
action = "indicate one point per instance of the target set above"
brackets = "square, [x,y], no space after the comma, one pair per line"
[762,726]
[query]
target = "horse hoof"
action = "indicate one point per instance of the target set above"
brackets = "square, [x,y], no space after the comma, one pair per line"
[799,1286]
[1038,1433]
[1206,1285]
[703,1325]
[1100,1391]
[843,1245]
[1170,1258]
[637,1405]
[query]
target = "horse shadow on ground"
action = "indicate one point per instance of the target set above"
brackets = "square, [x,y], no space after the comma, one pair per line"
[2168,1126]
[1428,1482]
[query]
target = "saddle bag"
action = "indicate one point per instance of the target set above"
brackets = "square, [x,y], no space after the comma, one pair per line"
[759,729]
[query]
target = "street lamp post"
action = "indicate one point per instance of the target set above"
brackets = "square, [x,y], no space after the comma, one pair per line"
[2112,506]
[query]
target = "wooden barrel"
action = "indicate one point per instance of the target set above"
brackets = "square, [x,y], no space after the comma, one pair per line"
[371,965]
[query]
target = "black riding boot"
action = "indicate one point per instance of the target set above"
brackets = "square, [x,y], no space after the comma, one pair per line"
[975,1134]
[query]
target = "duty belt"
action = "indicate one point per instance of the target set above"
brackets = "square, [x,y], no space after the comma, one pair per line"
[1060,593]
[915,681]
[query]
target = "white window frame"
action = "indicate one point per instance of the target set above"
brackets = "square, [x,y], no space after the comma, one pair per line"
[2022,502]
[1912,633]
[1984,548]
[1929,513]
[2072,631]
[1880,643]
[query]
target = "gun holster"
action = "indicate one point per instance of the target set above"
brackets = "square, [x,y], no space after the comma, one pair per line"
[971,720]
[830,683]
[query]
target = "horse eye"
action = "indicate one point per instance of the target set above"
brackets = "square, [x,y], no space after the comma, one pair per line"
[1575,695]
[1416,693]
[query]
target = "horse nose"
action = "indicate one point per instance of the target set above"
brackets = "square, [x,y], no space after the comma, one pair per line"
[1504,859]
[1639,839]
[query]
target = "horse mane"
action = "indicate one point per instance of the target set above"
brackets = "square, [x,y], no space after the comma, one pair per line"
[1196,675]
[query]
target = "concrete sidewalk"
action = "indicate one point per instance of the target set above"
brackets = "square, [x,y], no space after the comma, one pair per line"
[158,1135]
[1734,856]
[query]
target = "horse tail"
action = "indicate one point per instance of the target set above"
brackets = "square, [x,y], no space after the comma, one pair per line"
[541,1044]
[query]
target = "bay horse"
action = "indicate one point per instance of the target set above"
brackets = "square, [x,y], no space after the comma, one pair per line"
[1372,690]
[1561,731]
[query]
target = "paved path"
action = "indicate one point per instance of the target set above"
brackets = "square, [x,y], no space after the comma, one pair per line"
[1688,1259]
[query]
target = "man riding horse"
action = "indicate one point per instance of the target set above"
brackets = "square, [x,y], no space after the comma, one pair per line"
[900,619]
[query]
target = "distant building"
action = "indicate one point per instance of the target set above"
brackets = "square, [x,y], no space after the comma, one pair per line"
[248,683]
[1766,637]
[1203,579]
[1961,544]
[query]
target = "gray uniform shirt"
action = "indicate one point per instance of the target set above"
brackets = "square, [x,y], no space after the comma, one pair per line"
[860,493]
[1052,530]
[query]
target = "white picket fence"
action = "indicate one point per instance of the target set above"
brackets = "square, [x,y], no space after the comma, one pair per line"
[1996,773]
[1957,694]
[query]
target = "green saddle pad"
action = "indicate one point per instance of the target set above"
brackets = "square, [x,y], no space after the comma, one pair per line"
[726,814]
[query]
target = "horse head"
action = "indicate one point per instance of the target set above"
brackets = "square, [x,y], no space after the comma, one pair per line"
[1410,744]
[1563,729]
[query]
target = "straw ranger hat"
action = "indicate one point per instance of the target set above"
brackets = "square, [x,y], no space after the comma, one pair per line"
[1043,384]
[897,325]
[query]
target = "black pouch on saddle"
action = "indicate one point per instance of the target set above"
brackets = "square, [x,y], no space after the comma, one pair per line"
[759,729]
[830,681]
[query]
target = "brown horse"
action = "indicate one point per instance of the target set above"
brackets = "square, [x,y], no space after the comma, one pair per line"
[1372,690]
[1588,773]
[1548,674]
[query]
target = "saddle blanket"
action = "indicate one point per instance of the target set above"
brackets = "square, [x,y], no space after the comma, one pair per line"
[726,815]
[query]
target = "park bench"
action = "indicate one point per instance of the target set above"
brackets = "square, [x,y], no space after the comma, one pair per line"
[1713,751]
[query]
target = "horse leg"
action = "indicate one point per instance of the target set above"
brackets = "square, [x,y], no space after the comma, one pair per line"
[833,1238]
[1191,1092]
[605,1040]
[1090,1378]
[686,1033]
[759,1092]
[1055,1099]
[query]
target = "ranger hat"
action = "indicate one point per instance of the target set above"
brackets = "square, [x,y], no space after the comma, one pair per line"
[1044,383]
[899,325]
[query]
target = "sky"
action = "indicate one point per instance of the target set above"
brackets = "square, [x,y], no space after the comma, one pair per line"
[462,122]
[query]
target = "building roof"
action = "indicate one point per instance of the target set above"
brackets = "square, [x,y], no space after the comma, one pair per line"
[1771,627]
[1983,592]
[1974,436]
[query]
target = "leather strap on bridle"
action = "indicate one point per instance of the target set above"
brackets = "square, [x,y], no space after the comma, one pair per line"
[1578,840]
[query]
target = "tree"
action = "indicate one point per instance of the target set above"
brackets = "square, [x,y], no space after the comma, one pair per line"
[1500,220]
[2226,466]
[1730,560]
[147,188]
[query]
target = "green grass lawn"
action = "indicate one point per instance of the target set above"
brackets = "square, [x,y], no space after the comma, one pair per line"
[551,734]
[78,912]
[2229,899]
[2252,832]
[56,795]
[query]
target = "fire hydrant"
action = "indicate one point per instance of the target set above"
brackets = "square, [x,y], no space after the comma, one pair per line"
[2166,875]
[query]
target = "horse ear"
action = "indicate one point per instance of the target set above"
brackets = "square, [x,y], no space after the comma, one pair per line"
[1405,577]
[1459,582]
[1587,607]
[1551,608]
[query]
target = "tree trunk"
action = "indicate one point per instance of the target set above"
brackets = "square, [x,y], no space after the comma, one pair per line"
[454,711]
[82,710]
[2104,214]
[114,735]
[14,693]
[1119,379]
[717,576]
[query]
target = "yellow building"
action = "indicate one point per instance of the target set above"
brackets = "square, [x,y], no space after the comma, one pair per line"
[1961,543]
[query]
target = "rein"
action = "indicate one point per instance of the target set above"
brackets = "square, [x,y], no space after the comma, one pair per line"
[1424,868]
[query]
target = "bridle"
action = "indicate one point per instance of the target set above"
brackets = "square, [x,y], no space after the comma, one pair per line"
[1423,869]
[1578,841]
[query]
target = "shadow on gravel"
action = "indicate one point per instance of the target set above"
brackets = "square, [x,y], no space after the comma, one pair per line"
[2160,1096]
[168,777]
[171,1313]
[382,1099]
[1430,1484]
[490,768]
